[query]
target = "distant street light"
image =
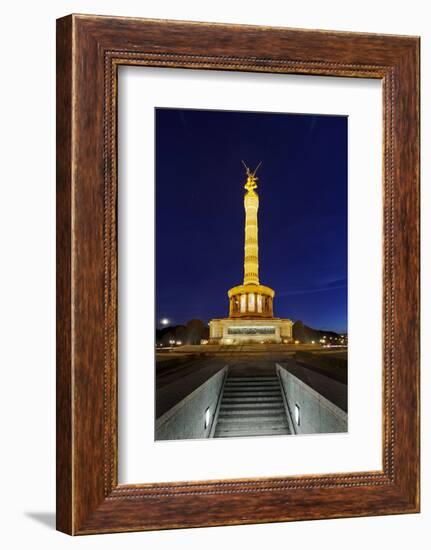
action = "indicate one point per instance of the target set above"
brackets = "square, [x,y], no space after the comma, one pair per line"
[164,321]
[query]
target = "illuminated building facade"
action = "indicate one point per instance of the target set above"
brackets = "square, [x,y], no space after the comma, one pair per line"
[251,317]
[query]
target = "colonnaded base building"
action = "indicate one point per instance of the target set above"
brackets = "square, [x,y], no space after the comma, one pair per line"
[251,318]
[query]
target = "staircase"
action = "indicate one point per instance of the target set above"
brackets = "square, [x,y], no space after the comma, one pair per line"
[251,406]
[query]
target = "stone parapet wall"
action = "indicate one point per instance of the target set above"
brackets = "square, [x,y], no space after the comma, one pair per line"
[316,413]
[186,419]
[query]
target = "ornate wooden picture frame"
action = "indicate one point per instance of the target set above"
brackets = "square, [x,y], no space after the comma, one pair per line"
[89,51]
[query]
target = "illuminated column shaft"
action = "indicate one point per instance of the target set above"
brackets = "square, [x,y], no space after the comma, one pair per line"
[251,248]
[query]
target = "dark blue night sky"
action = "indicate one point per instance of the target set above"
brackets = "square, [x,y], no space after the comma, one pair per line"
[302,214]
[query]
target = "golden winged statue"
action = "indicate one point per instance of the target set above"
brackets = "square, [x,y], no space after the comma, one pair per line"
[251,182]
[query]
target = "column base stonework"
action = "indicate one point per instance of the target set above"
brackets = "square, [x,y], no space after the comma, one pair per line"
[233,332]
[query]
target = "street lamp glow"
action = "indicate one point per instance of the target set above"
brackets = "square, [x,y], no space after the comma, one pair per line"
[164,321]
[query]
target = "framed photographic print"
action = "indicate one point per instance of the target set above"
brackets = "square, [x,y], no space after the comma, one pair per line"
[237,274]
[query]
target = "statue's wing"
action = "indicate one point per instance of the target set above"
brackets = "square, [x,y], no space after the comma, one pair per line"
[257,168]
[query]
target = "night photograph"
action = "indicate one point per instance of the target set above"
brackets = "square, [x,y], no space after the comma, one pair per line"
[251,274]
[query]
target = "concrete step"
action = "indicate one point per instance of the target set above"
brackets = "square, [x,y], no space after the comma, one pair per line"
[252,406]
[250,398]
[254,410]
[255,413]
[252,379]
[254,399]
[248,393]
[242,381]
[251,387]
[252,433]
[249,434]
[252,422]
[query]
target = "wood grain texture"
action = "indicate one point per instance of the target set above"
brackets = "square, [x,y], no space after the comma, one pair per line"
[64,497]
[90,49]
